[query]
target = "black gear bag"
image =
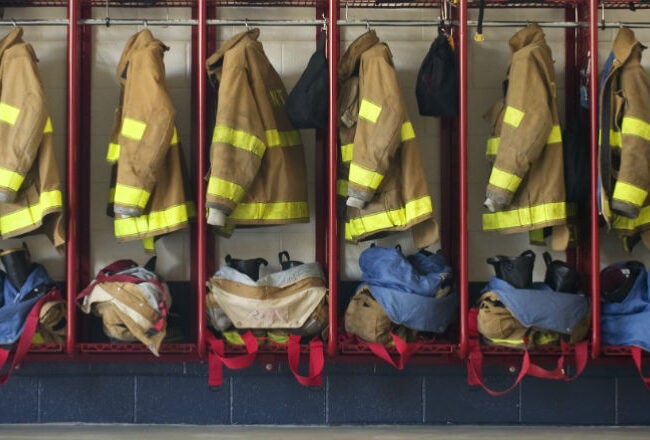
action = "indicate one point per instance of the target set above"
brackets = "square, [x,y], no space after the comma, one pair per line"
[436,88]
[307,104]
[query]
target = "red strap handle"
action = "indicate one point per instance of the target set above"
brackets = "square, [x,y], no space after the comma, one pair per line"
[404,349]
[217,358]
[31,322]
[316,361]
[637,357]
[475,361]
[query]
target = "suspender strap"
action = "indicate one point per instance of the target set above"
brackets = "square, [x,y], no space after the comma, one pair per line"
[404,349]
[217,358]
[316,361]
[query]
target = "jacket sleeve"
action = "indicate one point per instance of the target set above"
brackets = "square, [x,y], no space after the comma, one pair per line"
[633,183]
[379,127]
[146,131]
[23,116]
[526,125]
[238,144]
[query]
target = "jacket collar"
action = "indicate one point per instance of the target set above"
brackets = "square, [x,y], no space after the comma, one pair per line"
[624,44]
[214,62]
[528,35]
[134,43]
[353,53]
[13,37]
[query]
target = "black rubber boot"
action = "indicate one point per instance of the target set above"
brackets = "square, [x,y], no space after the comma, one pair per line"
[286,262]
[17,264]
[560,277]
[516,271]
[249,267]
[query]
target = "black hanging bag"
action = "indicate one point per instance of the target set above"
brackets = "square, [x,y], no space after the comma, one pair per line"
[436,88]
[307,104]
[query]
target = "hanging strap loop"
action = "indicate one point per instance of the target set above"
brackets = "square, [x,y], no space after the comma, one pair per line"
[316,361]
[404,349]
[217,358]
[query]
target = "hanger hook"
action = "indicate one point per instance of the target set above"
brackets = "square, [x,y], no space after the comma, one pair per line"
[346,11]
[602,16]
[246,24]
[367,25]
[145,22]
[324,28]
[13,22]
[107,18]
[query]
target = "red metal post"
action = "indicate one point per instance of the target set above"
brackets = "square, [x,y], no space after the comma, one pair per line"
[593,208]
[72,169]
[332,225]
[200,42]
[462,176]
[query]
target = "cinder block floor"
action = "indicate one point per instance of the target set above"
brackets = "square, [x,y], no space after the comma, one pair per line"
[165,432]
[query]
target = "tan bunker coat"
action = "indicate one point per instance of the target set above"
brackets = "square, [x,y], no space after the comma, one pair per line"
[148,189]
[257,160]
[30,187]
[380,170]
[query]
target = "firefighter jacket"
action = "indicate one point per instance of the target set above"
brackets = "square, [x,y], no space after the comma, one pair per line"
[257,160]
[526,189]
[380,169]
[30,187]
[624,154]
[147,192]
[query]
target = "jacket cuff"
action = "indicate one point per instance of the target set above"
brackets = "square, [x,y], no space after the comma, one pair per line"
[126,211]
[355,202]
[625,209]
[216,217]
[499,199]
[364,196]
[7,195]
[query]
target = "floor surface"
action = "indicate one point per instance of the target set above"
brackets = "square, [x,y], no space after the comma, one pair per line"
[184,432]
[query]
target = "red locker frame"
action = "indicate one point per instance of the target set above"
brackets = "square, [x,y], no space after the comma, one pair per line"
[581,40]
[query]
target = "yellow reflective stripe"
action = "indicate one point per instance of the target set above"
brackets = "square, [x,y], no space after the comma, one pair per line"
[174,137]
[629,193]
[369,110]
[525,216]
[504,180]
[513,116]
[31,215]
[130,195]
[147,244]
[635,127]
[270,211]
[388,219]
[224,188]
[48,126]
[346,152]
[239,139]
[511,342]
[492,146]
[152,222]
[133,129]
[10,179]
[233,337]
[113,153]
[275,138]
[630,224]
[555,136]
[365,177]
[536,236]
[9,113]
[615,139]
[407,131]
[342,187]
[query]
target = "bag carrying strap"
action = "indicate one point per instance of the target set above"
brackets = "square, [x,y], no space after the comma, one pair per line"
[404,349]
[316,361]
[475,361]
[31,323]
[217,358]
[637,357]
